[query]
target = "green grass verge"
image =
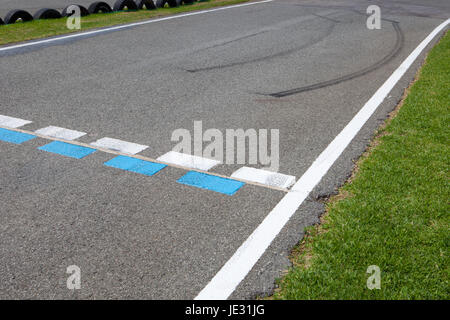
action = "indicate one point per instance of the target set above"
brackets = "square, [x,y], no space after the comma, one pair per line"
[394,211]
[46,28]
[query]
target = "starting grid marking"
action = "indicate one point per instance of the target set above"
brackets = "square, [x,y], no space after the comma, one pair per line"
[62,133]
[14,136]
[11,122]
[187,160]
[135,165]
[67,149]
[127,159]
[119,145]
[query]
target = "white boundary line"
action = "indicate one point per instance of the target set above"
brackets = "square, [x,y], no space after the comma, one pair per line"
[126,26]
[239,265]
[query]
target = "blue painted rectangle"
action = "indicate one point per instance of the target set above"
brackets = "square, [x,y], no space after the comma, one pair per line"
[210,182]
[135,165]
[67,149]
[15,136]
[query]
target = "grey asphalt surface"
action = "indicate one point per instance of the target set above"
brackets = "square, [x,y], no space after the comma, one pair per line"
[149,237]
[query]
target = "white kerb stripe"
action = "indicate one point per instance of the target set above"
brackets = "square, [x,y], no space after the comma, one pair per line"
[62,133]
[187,160]
[119,145]
[265,177]
[239,265]
[11,122]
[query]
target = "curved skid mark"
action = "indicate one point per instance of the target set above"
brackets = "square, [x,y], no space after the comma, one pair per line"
[276,55]
[231,41]
[398,46]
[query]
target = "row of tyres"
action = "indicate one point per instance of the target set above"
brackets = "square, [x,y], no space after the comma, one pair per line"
[96,7]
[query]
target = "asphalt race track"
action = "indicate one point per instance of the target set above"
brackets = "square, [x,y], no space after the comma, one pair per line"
[303,67]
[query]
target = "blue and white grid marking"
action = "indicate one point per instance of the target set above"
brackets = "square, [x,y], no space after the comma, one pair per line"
[265,177]
[11,122]
[210,182]
[127,158]
[187,160]
[61,133]
[135,165]
[67,149]
[119,145]
[14,136]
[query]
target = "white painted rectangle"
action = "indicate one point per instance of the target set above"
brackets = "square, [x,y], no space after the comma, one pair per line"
[265,177]
[187,160]
[11,122]
[119,145]
[62,133]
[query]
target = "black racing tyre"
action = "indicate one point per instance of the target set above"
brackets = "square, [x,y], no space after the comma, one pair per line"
[149,4]
[120,5]
[83,11]
[15,15]
[172,3]
[160,3]
[46,13]
[99,6]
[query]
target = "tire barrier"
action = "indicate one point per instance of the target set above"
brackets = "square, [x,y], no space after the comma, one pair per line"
[160,3]
[120,5]
[98,7]
[15,15]
[171,3]
[174,3]
[149,4]
[46,13]
[83,11]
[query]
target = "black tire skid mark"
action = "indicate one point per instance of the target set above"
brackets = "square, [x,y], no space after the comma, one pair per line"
[397,10]
[231,41]
[391,55]
[325,17]
[328,31]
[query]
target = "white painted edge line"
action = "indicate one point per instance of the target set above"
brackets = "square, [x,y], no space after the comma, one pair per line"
[239,265]
[187,160]
[119,145]
[11,122]
[269,178]
[62,133]
[126,26]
